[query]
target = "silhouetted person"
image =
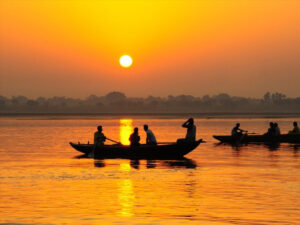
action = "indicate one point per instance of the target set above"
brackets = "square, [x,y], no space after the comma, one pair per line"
[99,137]
[237,131]
[191,131]
[276,129]
[271,131]
[135,138]
[150,139]
[296,129]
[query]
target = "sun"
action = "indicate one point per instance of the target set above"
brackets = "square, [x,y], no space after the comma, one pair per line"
[125,61]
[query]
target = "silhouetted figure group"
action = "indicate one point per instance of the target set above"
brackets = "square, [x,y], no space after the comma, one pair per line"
[99,137]
[135,138]
[273,130]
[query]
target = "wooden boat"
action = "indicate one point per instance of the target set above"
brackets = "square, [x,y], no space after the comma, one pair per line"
[284,138]
[161,151]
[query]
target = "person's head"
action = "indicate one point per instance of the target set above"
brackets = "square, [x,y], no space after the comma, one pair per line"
[136,130]
[191,120]
[275,124]
[145,127]
[237,125]
[271,124]
[99,128]
[295,124]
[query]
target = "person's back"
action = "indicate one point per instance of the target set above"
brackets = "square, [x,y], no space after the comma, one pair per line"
[191,130]
[296,129]
[276,129]
[191,133]
[271,131]
[135,138]
[150,139]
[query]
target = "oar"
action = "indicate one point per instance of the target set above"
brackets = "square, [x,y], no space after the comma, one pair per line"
[113,141]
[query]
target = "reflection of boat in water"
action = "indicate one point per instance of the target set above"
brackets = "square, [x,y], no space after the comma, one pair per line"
[272,146]
[150,163]
[163,151]
[284,138]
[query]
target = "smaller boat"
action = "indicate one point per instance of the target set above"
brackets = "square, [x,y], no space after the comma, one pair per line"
[143,151]
[284,138]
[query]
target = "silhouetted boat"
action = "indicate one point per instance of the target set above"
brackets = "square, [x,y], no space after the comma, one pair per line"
[284,138]
[161,151]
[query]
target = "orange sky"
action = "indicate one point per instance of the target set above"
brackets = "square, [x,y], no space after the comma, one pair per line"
[72,47]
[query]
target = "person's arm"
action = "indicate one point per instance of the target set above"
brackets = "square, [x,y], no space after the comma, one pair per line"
[186,124]
[242,130]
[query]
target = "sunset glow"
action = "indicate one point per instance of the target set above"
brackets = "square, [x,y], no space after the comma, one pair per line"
[125,130]
[179,45]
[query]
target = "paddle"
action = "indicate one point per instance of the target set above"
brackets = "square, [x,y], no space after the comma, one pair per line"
[113,141]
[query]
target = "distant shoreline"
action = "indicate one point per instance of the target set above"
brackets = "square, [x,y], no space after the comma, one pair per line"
[148,115]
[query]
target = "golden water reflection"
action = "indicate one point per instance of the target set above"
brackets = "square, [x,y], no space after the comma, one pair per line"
[125,130]
[126,197]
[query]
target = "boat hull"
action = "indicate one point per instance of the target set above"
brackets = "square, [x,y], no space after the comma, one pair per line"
[170,151]
[284,138]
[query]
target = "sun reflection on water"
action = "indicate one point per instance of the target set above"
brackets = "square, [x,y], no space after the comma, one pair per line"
[126,197]
[125,130]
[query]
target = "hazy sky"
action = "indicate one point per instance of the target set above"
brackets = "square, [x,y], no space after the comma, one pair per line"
[72,47]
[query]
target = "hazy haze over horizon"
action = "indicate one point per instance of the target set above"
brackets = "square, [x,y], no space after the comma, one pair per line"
[72,48]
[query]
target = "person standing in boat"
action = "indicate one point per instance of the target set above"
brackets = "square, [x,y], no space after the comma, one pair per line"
[237,131]
[150,139]
[99,137]
[296,129]
[135,138]
[190,133]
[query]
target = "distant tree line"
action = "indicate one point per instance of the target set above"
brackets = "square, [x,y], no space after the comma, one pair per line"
[117,102]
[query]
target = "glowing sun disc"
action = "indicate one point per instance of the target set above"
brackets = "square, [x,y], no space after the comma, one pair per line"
[125,61]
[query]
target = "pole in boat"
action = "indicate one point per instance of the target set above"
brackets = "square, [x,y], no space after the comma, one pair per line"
[113,141]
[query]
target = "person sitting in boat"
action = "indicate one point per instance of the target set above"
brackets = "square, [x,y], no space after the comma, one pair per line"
[190,133]
[296,129]
[99,137]
[276,129]
[135,138]
[150,139]
[271,131]
[237,131]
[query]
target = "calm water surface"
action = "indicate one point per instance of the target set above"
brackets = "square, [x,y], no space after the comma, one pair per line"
[44,181]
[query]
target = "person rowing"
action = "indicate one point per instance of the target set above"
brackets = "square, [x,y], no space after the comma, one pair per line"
[99,137]
[237,131]
[150,139]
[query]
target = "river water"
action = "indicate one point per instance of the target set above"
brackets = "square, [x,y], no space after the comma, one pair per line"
[44,181]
